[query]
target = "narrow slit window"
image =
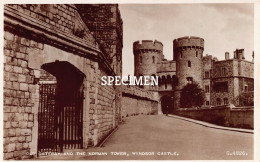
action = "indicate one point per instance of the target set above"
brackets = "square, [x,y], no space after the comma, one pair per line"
[189,64]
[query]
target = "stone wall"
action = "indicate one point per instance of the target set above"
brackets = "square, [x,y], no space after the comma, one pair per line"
[104,21]
[20,91]
[134,106]
[42,34]
[242,118]
[225,116]
[136,101]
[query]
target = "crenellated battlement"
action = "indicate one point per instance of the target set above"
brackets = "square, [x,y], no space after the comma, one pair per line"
[147,45]
[188,42]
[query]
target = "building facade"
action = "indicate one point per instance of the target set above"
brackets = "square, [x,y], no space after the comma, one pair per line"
[224,82]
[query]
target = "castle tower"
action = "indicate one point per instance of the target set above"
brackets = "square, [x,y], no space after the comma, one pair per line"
[188,53]
[147,54]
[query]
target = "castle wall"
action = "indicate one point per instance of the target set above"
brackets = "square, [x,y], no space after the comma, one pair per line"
[242,117]
[24,54]
[136,101]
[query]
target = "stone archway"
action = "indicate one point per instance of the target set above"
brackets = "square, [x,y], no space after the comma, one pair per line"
[166,104]
[60,114]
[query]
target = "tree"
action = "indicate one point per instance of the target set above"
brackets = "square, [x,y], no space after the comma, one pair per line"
[191,96]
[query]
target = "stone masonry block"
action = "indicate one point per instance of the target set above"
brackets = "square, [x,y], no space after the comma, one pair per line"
[7,124]
[27,95]
[28,109]
[20,55]
[18,69]
[13,77]
[20,153]
[8,101]
[18,131]
[18,146]
[15,102]
[11,132]
[8,155]
[32,88]
[28,138]
[37,73]
[25,42]
[8,36]
[30,117]
[26,132]
[21,78]
[24,87]
[10,147]
[25,145]
[23,124]
[21,139]
[30,124]
[15,124]
[24,64]
[8,68]
[16,85]
[25,117]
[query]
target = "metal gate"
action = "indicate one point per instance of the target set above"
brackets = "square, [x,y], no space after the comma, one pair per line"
[60,120]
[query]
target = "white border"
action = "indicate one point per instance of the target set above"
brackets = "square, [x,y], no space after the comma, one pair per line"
[256,49]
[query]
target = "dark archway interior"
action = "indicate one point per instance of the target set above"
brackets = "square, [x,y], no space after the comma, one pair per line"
[167,105]
[69,78]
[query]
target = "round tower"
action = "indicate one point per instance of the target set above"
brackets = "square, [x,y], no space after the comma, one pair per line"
[147,54]
[188,53]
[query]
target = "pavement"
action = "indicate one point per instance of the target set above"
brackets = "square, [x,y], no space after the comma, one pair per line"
[160,137]
[206,124]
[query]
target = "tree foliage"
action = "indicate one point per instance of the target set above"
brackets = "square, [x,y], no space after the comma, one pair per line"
[191,96]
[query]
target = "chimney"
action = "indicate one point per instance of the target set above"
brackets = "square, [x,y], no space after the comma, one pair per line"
[226,55]
[242,52]
[235,54]
[253,55]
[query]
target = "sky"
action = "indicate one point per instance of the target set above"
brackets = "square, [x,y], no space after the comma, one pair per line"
[224,27]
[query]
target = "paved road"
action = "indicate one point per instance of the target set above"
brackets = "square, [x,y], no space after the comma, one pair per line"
[173,139]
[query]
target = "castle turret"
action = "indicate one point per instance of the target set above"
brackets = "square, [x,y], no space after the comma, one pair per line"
[188,53]
[147,54]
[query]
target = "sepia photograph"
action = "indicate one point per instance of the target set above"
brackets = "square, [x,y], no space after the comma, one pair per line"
[128,81]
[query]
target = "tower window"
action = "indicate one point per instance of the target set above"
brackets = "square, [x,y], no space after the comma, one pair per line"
[153,59]
[223,71]
[196,53]
[141,59]
[246,88]
[218,101]
[220,87]
[206,74]
[165,85]
[189,80]
[225,101]
[207,89]
[207,103]
[189,64]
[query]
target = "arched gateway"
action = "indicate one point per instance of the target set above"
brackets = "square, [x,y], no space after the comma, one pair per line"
[60,114]
[166,104]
